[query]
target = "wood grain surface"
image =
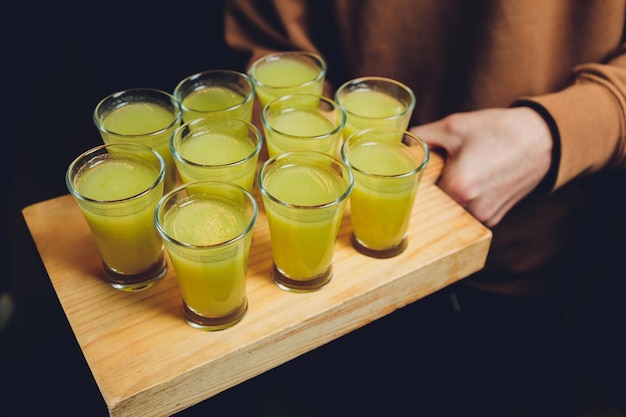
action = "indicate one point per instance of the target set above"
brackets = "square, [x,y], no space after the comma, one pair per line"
[148,362]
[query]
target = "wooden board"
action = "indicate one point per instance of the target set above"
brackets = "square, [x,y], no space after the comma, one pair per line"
[148,362]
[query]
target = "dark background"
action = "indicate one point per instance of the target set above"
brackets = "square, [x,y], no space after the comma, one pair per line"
[58,62]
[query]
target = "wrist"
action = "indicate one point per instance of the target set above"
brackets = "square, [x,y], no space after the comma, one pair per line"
[547,132]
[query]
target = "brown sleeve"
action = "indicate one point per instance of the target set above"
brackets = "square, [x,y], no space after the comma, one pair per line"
[588,119]
[259,27]
[263,26]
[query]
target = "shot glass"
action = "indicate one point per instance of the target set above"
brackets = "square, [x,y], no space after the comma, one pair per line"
[375,102]
[387,165]
[224,150]
[207,229]
[302,122]
[290,72]
[216,93]
[141,115]
[117,188]
[304,194]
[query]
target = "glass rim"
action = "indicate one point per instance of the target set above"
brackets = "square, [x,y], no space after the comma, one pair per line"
[177,117]
[330,158]
[250,126]
[362,134]
[266,124]
[247,99]
[101,149]
[168,196]
[361,80]
[317,58]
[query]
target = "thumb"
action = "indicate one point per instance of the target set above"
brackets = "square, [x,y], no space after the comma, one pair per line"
[436,136]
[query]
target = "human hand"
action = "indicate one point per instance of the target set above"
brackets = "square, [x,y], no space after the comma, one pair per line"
[493,157]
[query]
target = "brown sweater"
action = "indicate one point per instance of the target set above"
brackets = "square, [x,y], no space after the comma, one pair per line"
[564,58]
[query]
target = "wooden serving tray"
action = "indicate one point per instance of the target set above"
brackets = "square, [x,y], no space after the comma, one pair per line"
[147,361]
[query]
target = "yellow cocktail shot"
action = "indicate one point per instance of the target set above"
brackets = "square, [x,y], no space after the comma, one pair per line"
[224,150]
[387,165]
[305,194]
[302,122]
[207,229]
[375,102]
[141,115]
[290,72]
[216,94]
[117,188]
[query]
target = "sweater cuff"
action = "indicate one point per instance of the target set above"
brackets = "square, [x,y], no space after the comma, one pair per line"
[586,124]
[548,183]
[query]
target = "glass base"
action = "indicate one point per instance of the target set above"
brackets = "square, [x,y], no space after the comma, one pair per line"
[293,285]
[214,323]
[137,282]
[380,254]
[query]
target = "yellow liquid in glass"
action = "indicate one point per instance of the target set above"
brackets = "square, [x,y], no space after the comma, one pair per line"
[300,130]
[381,210]
[216,101]
[218,149]
[138,122]
[303,239]
[284,76]
[212,285]
[125,234]
[370,108]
